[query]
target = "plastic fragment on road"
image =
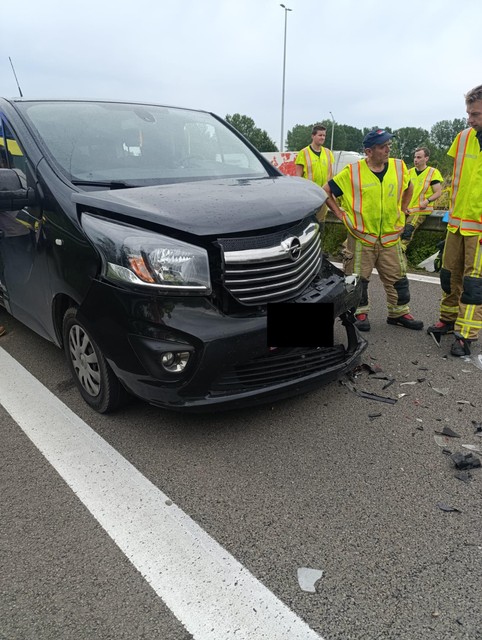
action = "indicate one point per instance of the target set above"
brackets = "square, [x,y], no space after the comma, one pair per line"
[429,263]
[374,396]
[465,476]
[388,384]
[411,382]
[307,578]
[472,447]
[447,431]
[478,427]
[364,394]
[475,360]
[445,507]
[442,441]
[465,460]
[441,392]
[372,416]
[436,338]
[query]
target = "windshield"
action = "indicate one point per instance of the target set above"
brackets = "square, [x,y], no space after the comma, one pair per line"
[138,144]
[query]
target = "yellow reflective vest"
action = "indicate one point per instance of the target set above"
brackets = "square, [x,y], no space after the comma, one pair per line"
[465,212]
[372,209]
[319,169]
[422,188]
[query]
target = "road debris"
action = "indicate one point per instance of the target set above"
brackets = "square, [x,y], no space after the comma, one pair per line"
[411,382]
[372,416]
[465,476]
[389,383]
[307,578]
[447,431]
[374,396]
[465,460]
[365,394]
[445,507]
[441,392]
[436,338]
[478,427]
[472,447]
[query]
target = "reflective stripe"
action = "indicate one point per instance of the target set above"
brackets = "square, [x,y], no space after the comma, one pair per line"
[367,237]
[449,310]
[425,188]
[477,265]
[358,228]
[459,163]
[465,225]
[399,169]
[458,166]
[308,164]
[329,163]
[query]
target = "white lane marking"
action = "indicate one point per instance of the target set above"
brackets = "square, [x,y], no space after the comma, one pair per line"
[411,276]
[207,589]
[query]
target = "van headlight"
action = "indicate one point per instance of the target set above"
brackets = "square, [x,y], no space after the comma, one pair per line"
[140,257]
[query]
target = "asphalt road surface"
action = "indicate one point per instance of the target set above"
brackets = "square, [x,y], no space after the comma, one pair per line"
[151,524]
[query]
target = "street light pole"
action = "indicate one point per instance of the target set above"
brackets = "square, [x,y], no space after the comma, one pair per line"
[286,9]
[332,129]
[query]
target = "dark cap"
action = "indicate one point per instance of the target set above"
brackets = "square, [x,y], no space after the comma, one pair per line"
[377,136]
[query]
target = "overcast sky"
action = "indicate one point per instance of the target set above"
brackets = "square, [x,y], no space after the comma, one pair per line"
[368,62]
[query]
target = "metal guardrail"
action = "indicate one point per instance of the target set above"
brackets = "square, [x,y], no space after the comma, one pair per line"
[432,223]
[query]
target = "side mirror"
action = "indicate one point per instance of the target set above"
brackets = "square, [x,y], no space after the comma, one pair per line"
[14,195]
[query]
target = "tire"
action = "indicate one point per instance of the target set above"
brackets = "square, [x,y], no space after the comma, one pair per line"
[97,383]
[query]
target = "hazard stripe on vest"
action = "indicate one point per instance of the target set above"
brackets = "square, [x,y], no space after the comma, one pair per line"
[460,223]
[308,164]
[358,229]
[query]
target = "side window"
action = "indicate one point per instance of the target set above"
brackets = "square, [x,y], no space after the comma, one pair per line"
[10,151]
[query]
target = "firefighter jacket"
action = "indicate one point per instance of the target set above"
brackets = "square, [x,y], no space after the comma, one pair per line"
[317,169]
[422,189]
[372,209]
[465,212]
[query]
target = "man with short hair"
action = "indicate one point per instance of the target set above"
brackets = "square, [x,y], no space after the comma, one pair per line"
[427,187]
[461,273]
[315,162]
[374,193]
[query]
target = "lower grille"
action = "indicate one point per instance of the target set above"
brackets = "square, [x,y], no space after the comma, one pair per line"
[282,365]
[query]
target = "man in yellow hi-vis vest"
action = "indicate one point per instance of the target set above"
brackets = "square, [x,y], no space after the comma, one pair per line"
[427,187]
[461,273]
[315,162]
[374,193]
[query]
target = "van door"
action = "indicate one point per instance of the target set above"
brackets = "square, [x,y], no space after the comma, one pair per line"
[24,289]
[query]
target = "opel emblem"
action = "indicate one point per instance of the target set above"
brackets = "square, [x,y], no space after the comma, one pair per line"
[292,246]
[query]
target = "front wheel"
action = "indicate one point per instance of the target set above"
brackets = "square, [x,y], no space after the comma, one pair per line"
[97,383]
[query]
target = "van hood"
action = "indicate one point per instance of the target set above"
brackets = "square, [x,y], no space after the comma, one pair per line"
[213,207]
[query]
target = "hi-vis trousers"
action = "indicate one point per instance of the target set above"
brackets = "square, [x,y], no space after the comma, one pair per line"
[461,281]
[361,259]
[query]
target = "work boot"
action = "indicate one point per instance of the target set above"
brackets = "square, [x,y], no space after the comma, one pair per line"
[362,323]
[407,321]
[442,327]
[461,346]
[2,330]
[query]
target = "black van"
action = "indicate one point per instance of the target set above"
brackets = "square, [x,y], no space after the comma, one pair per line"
[148,241]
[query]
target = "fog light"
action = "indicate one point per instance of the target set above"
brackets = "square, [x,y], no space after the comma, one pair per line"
[175,361]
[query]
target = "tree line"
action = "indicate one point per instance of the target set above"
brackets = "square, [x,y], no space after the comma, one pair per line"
[348,138]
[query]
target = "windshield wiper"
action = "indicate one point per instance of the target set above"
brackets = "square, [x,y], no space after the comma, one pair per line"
[110,184]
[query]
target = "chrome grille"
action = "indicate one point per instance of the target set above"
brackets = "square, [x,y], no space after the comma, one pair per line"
[279,270]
